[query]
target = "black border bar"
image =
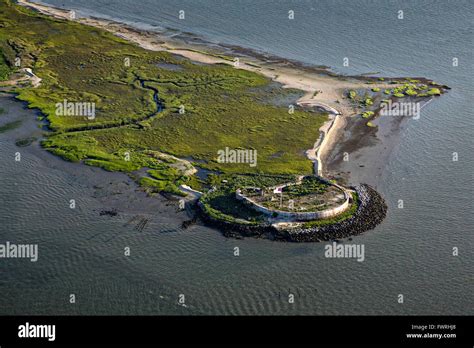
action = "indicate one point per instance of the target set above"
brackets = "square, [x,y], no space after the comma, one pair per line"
[346,330]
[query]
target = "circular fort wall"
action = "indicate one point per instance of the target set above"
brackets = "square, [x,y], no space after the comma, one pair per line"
[299,216]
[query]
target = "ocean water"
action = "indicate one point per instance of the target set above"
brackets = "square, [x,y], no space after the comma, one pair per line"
[410,253]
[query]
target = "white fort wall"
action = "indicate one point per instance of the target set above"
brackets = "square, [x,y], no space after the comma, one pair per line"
[299,216]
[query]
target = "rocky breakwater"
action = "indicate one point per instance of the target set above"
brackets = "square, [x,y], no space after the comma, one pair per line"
[370,212]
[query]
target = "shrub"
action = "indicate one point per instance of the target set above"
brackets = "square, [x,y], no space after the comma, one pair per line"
[434,91]
[309,185]
[367,114]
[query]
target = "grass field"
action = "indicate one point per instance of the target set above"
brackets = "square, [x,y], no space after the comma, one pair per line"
[223,106]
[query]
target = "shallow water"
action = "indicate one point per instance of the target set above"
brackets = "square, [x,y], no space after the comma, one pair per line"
[81,252]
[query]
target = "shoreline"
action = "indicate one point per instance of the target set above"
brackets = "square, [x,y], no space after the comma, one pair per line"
[322,89]
[291,74]
[107,188]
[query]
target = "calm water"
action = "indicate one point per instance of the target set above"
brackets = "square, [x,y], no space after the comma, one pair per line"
[410,253]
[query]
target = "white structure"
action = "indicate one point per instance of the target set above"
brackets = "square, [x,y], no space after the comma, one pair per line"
[299,216]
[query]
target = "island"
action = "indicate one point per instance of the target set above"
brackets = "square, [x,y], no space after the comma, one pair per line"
[238,137]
